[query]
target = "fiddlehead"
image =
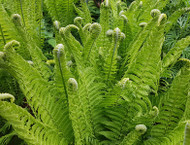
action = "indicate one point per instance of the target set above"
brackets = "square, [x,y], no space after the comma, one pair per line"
[56,24]
[7,96]
[16,18]
[73,85]
[11,45]
[155,13]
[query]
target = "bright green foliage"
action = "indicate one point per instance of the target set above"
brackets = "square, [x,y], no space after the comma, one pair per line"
[84,12]
[175,52]
[34,131]
[61,10]
[104,87]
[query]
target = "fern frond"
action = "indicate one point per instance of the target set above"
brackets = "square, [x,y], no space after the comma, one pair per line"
[126,106]
[9,32]
[74,47]
[172,138]
[173,18]
[110,66]
[105,22]
[95,30]
[28,128]
[83,12]
[137,42]
[172,105]
[172,56]
[31,14]
[146,77]
[62,11]
[48,105]
[84,105]
[133,136]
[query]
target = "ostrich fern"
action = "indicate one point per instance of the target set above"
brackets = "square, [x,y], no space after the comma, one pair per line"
[103,89]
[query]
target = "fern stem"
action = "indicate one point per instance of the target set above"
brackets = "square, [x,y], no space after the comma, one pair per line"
[40,25]
[90,50]
[22,12]
[63,80]
[111,61]
[4,41]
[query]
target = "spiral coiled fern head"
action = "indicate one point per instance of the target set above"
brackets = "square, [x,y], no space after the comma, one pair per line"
[162,19]
[95,29]
[67,29]
[123,82]
[118,35]
[56,25]
[143,24]
[78,21]
[12,44]
[30,62]
[2,54]
[73,85]
[155,13]
[140,4]
[141,128]
[59,50]
[122,15]
[7,96]
[154,112]
[86,27]
[16,18]
[106,3]
[109,33]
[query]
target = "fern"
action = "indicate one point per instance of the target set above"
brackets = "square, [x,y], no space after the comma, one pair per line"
[107,83]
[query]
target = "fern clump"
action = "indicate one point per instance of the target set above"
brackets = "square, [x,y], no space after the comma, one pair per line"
[103,85]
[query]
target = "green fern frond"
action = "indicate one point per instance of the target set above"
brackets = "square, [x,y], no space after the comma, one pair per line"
[105,22]
[95,30]
[136,44]
[146,79]
[85,98]
[62,11]
[133,136]
[174,137]
[83,12]
[74,47]
[31,14]
[173,18]
[172,105]
[110,66]
[48,109]
[172,56]
[28,128]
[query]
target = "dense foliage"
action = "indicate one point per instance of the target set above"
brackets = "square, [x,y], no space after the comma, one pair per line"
[118,78]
